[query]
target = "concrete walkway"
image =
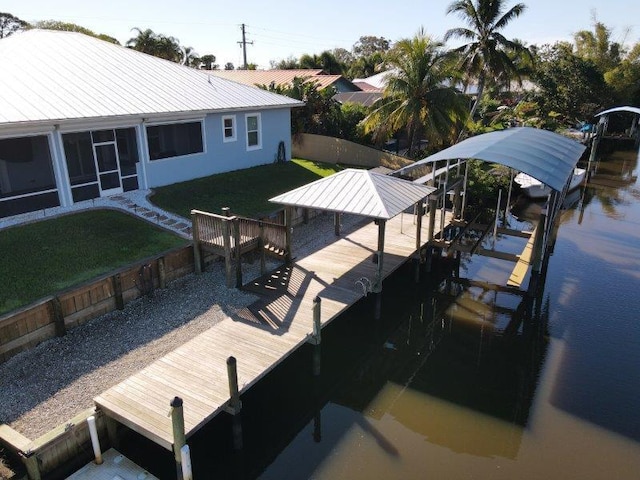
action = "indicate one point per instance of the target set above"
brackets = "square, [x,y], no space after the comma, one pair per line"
[135,202]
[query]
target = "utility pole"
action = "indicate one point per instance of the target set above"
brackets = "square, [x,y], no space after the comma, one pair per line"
[244,43]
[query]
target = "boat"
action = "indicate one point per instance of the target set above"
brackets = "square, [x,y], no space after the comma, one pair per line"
[536,189]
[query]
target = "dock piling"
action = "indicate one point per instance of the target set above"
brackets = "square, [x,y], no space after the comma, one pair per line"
[316,337]
[179,439]
[235,404]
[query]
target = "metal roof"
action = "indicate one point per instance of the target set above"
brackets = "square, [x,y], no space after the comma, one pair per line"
[546,156]
[279,77]
[360,192]
[56,76]
[635,110]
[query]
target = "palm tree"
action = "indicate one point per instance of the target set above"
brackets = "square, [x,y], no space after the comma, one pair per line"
[419,96]
[488,55]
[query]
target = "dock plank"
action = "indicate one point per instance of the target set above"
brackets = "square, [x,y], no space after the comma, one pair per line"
[260,336]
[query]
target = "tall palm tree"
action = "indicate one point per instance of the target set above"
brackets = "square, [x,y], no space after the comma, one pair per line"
[419,96]
[488,55]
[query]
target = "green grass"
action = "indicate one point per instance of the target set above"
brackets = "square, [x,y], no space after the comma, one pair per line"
[246,192]
[41,258]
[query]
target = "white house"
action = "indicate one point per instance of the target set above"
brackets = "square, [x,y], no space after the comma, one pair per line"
[81,118]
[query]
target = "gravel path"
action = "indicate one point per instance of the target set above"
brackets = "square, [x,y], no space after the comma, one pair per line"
[48,385]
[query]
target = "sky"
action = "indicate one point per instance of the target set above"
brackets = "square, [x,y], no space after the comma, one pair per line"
[289,28]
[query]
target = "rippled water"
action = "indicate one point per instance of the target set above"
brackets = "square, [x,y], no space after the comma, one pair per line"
[471,385]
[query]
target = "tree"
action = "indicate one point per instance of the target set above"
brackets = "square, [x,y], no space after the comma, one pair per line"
[209,62]
[229,66]
[368,45]
[419,97]
[72,27]
[158,45]
[10,24]
[598,47]
[488,55]
[326,61]
[568,84]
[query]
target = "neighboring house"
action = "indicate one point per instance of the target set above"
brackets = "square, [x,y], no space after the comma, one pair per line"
[286,77]
[366,99]
[81,118]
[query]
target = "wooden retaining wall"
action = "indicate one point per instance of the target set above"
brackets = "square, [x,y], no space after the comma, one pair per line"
[52,316]
[67,445]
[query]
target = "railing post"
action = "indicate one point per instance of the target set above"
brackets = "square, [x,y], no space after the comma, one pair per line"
[262,243]
[179,438]
[226,241]
[238,251]
[288,224]
[195,232]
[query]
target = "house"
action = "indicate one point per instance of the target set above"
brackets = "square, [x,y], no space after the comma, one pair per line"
[286,77]
[82,118]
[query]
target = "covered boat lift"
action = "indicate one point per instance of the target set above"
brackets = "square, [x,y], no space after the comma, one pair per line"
[546,156]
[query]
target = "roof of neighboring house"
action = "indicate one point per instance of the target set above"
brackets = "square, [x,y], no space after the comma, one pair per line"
[283,77]
[366,87]
[362,98]
[379,80]
[58,76]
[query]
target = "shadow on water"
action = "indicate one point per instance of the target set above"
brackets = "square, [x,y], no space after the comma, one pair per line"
[421,348]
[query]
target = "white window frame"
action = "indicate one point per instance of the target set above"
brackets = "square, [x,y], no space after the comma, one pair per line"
[246,124]
[234,129]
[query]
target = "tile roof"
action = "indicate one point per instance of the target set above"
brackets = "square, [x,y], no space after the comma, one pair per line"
[57,76]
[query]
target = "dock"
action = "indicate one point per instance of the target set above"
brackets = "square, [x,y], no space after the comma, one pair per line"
[260,336]
[115,466]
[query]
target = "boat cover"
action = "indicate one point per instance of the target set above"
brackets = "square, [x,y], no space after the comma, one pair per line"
[546,156]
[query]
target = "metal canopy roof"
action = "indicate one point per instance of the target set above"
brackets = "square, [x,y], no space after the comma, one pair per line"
[53,76]
[360,192]
[544,155]
[635,110]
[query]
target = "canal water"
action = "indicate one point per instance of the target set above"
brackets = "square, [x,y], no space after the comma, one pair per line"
[460,380]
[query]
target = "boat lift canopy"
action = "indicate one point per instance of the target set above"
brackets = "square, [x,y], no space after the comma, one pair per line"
[546,156]
[635,110]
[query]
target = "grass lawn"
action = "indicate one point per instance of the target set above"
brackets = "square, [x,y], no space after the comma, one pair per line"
[246,192]
[41,258]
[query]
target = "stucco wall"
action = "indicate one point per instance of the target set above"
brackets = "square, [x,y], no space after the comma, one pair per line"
[220,156]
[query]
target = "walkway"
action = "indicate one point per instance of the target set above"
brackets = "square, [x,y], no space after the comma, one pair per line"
[260,336]
[135,202]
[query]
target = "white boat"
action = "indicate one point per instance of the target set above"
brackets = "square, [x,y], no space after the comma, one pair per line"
[536,189]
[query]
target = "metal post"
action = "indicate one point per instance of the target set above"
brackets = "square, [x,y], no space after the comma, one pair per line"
[495,223]
[506,208]
[179,438]
[432,217]
[464,188]
[288,224]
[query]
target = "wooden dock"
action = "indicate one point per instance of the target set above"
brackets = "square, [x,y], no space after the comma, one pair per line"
[260,336]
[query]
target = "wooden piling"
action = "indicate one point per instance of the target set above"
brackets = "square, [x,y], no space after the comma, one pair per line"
[336,223]
[162,274]
[58,317]
[288,223]
[32,465]
[195,232]
[316,338]
[261,246]
[179,438]
[432,217]
[117,291]
[235,405]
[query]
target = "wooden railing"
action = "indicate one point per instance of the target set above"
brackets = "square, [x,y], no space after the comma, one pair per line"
[232,236]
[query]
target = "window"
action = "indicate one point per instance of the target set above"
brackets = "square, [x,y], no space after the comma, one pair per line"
[229,128]
[27,181]
[174,140]
[254,136]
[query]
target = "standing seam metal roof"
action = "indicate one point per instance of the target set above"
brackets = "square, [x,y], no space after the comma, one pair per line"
[360,192]
[546,156]
[53,76]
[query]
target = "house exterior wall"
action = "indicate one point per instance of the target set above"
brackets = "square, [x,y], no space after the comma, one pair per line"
[220,156]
